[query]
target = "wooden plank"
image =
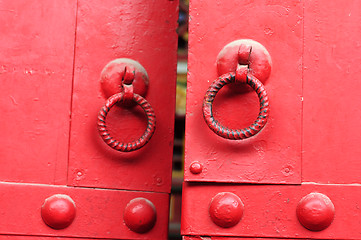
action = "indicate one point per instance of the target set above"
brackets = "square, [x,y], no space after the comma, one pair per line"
[331,151]
[270,211]
[99,213]
[36,66]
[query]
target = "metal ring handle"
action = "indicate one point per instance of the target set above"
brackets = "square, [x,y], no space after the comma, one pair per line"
[115,144]
[235,134]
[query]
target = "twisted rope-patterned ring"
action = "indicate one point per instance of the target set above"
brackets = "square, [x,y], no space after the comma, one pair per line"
[235,134]
[115,144]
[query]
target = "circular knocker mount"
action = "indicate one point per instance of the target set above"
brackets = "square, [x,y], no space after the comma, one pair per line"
[125,82]
[244,61]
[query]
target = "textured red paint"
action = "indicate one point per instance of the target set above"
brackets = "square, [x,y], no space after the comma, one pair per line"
[264,158]
[99,212]
[270,211]
[52,54]
[331,138]
[140,215]
[36,65]
[315,211]
[58,211]
[314,94]
[226,209]
[144,31]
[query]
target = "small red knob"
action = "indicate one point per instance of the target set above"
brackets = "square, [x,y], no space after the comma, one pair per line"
[196,167]
[226,209]
[58,211]
[315,211]
[140,215]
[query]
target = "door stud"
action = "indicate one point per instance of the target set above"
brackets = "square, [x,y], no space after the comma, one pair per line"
[58,211]
[226,209]
[315,211]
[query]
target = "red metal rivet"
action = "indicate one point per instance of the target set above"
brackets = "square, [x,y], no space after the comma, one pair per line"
[140,215]
[315,211]
[58,211]
[196,168]
[226,209]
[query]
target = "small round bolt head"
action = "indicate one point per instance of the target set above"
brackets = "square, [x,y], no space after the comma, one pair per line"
[196,167]
[58,211]
[226,209]
[315,211]
[140,215]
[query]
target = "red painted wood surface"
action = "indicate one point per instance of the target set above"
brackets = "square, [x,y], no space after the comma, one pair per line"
[52,54]
[145,32]
[99,212]
[270,211]
[274,155]
[36,66]
[331,137]
[322,68]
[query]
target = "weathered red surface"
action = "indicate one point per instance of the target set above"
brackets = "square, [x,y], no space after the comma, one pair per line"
[36,66]
[313,91]
[99,212]
[145,32]
[273,155]
[52,54]
[270,210]
[331,135]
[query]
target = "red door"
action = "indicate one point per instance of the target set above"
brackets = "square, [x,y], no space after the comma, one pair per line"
[58,177]
[272,139]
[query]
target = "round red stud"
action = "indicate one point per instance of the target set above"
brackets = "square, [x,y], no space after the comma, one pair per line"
[226,209]
[196,168]
[315,211]
[140,215]
[58,211]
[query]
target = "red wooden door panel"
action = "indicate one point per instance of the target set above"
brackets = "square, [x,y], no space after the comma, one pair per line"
[274,155]
[52,54]
[315,51]
[36,66]
[143,31]
[331,92]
